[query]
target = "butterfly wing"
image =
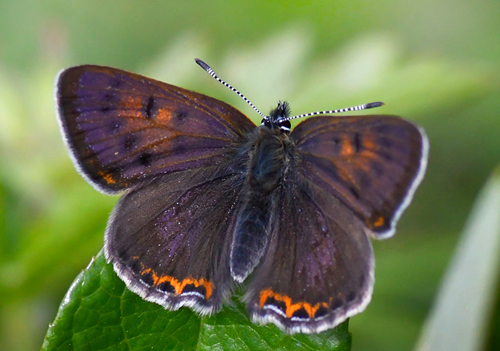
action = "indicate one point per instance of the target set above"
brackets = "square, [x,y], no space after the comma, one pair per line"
[349,176]
[122,127]
[174,153]
[373,164]
[318,269]
[169,239]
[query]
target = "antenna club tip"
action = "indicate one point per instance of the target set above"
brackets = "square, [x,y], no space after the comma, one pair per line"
[374,104]
[202,64]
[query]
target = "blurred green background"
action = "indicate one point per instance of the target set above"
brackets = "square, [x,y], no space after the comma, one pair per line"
[434,62]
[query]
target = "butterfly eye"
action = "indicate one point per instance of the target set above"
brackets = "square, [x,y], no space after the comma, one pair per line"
[285,126]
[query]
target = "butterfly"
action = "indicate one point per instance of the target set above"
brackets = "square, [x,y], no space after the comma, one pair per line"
[212,201]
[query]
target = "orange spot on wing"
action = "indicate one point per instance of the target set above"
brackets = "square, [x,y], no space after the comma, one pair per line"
[290,310]
[380,222]
[132,104]
[347,149]
[265,294]
[174,282]
[107,177]
[368,144]
[164,116]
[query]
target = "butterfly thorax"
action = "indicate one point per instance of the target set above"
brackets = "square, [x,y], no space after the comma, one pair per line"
[266,160]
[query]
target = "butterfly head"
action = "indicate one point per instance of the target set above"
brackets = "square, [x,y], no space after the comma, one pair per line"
[277,119]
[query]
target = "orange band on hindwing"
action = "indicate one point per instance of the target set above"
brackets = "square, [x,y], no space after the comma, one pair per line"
[290,307]
[178,285]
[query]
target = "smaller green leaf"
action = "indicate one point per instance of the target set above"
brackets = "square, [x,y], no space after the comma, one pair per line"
[100,313]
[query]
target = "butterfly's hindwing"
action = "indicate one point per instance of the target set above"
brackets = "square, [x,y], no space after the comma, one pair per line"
[169,240]
[318,269]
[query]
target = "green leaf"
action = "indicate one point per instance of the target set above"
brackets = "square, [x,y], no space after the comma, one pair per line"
[100,313]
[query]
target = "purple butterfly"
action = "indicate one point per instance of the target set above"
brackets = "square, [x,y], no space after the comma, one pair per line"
[211,200]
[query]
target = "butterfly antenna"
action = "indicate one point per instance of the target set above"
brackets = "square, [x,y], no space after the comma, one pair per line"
[354,108]
[212,73]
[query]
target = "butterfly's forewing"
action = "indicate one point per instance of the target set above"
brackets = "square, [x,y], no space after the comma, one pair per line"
[372,164]
[169,239]
[318,269]
[122,128]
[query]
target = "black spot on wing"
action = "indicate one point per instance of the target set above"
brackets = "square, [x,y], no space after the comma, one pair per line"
[124,256]
[193,288]
[145,159]
[147,277]
[321,311]
[300,313]
[136,267]
[180,115]
[357,142]
[151,109]
[354,192]
[166,287]
[279,304]
[129,142]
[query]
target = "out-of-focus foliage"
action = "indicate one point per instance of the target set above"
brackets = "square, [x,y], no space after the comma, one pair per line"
[461,316]
[435,62]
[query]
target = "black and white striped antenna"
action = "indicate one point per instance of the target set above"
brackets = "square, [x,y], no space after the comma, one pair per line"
[347,109]
[212,73]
